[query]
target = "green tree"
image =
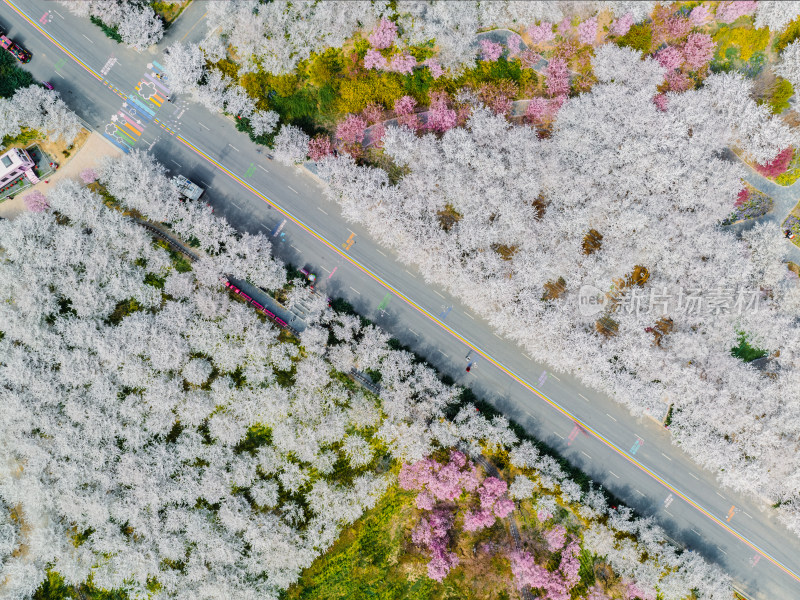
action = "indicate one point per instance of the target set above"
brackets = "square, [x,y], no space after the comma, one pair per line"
[639,37]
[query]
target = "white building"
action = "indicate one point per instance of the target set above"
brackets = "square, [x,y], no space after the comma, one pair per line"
[13,164]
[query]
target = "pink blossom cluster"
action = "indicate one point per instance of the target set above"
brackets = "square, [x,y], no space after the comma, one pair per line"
[564,27]
[677,81]
[373,112]
[442,482]
[490,51]
[496,98]
[661,101]
[541,33]
[319,147]
[587,31]
[36,202]
[699,15]
[596,593]
[494,504]
[404,109]
[440,117]
[556,584]
[729,11]
[777,165]
[543,515]
[555,538]
[431,532]
[742,197]
[351,130]
[514,45]
[557,77]
[670,58]
[632,590]
[375,60]
[88,176]
[529,57]
[672,28]
[622,25]
[434,67]
[698,50]
[400,63]
[384,34]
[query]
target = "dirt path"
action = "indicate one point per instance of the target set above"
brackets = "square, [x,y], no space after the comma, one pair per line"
[88,155]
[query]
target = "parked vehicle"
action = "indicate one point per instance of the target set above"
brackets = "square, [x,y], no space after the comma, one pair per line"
[15,49]
[48,85]
[186,188]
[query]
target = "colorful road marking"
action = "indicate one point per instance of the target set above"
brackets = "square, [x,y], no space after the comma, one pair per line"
[636,445]
[385,302]
[542,378]
[332,272]
[350,241]
[250,170]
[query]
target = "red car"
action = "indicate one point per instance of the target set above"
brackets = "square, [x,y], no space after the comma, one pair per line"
[48,85]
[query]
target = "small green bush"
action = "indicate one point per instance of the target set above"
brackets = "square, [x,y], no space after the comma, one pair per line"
[109,31]
[639,37]
[745,352]
[780,94]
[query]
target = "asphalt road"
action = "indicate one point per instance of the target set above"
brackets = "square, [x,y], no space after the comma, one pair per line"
[632,457]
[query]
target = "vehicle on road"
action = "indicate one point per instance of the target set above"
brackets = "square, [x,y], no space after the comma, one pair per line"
[48,85]
[15,49]
[186,188]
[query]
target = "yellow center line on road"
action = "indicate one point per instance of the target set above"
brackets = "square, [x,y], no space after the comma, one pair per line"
[441,324]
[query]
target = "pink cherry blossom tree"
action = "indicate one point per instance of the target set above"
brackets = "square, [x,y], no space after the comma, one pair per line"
[678,81]
[537,110]
[557,77]
[434,67]
[490,51]
[661,101]
[319,147]
[36,202]
[698,50]
[404,109]
[564,27]
[555,538]
[622,25]
[373,112]
[383,35]
[440,117]
[514,45]
[729,11]
[670,58]
[351,130]
[375,60]
[432,532]
[402,63]
[587,31]
[541,33]
[88,176]
[699,15]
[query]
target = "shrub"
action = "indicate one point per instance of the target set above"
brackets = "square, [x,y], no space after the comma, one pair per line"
[777,165]
[639,37]
[356,94]
[109,31]
[779,96]
[12,77]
